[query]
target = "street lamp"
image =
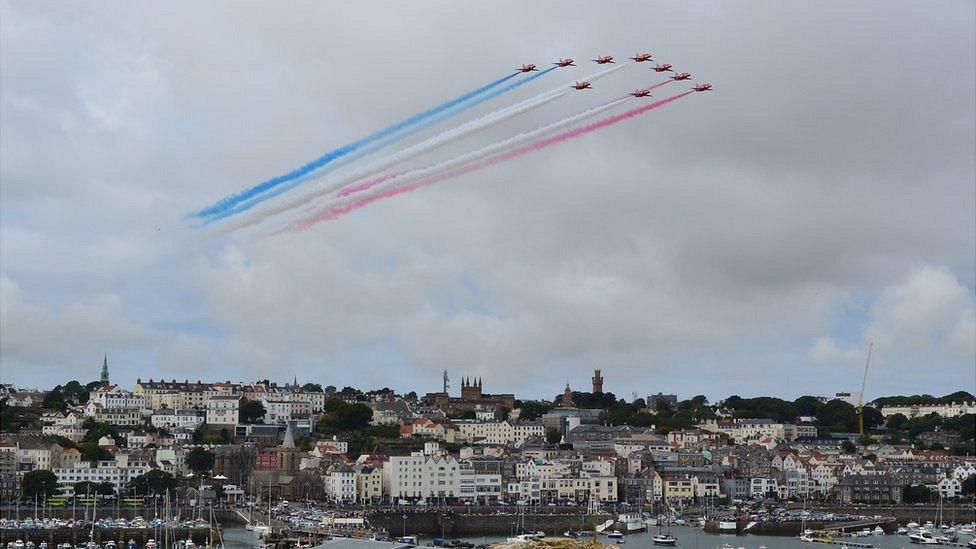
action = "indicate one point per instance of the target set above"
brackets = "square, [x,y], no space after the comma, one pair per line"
[404,525]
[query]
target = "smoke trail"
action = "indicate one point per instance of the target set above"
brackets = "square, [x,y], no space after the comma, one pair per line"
[393,189]
[345,149]
[425,146]
[471,156]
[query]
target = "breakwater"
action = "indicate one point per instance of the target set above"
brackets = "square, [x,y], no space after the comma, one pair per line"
[450,524]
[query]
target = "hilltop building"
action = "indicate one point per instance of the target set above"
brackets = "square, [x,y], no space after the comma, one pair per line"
[597,382]
[472,397]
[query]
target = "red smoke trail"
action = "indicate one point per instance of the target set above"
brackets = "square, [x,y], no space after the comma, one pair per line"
[333,212]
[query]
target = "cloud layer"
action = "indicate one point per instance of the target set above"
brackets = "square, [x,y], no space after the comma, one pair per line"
[751,241]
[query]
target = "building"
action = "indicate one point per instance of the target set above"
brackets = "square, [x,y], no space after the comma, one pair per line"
[177,419]
[105,471]
[597,382]
[223,410]
[952,409]
[879,488]
[472,397]
[654,400]
[104,376]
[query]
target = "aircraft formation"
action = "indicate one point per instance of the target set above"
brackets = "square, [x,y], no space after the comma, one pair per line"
[329,195]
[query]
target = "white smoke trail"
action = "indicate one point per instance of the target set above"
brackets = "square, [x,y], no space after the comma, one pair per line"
[428,145]
[467,158]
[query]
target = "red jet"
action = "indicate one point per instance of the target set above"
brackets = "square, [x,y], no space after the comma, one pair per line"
[603,59]
[664,67]
[682,76]
[641,57]
[703,88]
[565,62]
[527,68]
[643,92]
[582,86]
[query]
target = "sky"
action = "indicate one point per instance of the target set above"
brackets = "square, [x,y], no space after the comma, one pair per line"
[751,241]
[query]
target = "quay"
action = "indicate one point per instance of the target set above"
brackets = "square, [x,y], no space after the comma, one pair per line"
[121,536]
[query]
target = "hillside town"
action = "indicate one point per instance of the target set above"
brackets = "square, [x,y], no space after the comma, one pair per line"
[247,441]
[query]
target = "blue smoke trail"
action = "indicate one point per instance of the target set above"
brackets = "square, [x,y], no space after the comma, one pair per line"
[228,202]
[253,199]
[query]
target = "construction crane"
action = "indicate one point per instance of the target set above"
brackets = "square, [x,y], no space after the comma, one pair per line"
[860,396]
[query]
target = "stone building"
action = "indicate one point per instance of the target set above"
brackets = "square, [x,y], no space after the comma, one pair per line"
[472,397]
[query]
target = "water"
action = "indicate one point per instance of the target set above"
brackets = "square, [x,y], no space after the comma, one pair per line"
[696,538]
[236,537]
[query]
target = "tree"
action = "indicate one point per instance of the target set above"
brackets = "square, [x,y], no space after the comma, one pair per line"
[553,436]
[39,483]
[153,482]
[91,451]
[969,485]
[312,388]
[98,429]
[807,405]
[353,417]
[54,400]
[917,494]
[94,488]
[837,415]
[896,422]
[532,410]
[848,447]
[252,411]
[199,460]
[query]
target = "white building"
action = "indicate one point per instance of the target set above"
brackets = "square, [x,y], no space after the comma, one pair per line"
[223,409]
[945,410]
[112,396]
[403,476]
[177,419]
[761,487]
[105,471]
[500,432]
[341,485]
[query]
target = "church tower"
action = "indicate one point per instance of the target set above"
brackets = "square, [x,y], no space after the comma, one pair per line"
[105,382]
[567,397]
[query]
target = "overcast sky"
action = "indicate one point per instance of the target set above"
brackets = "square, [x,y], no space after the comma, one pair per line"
[748,241]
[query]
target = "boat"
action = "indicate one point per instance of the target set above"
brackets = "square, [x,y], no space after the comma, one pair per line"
[923,537]
[878,531]
[912,525]
[972,543]
[901,531]
[662,538]
[409,540]
[621,541]
[727,526]
[616,534]
[574,534]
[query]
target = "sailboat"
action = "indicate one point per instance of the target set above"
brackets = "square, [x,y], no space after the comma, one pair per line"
[662,538]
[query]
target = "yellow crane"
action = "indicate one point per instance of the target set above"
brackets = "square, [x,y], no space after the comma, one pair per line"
[860,396]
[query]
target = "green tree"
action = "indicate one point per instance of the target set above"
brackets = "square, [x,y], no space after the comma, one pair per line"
[896,422]
[153,482]
[94,488]
[91,451]
[917,494]
[98,429]
[353,417]
[39,483]
[252,411]
[848,447]
[969,486]
[532,410]
[312,388]
[199,460]
[807,405]
[553,436]
[837,415]
[54,400]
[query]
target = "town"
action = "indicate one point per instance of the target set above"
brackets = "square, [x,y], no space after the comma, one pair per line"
[237,443]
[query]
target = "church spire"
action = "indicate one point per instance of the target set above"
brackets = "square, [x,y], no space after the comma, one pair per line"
[105,371]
